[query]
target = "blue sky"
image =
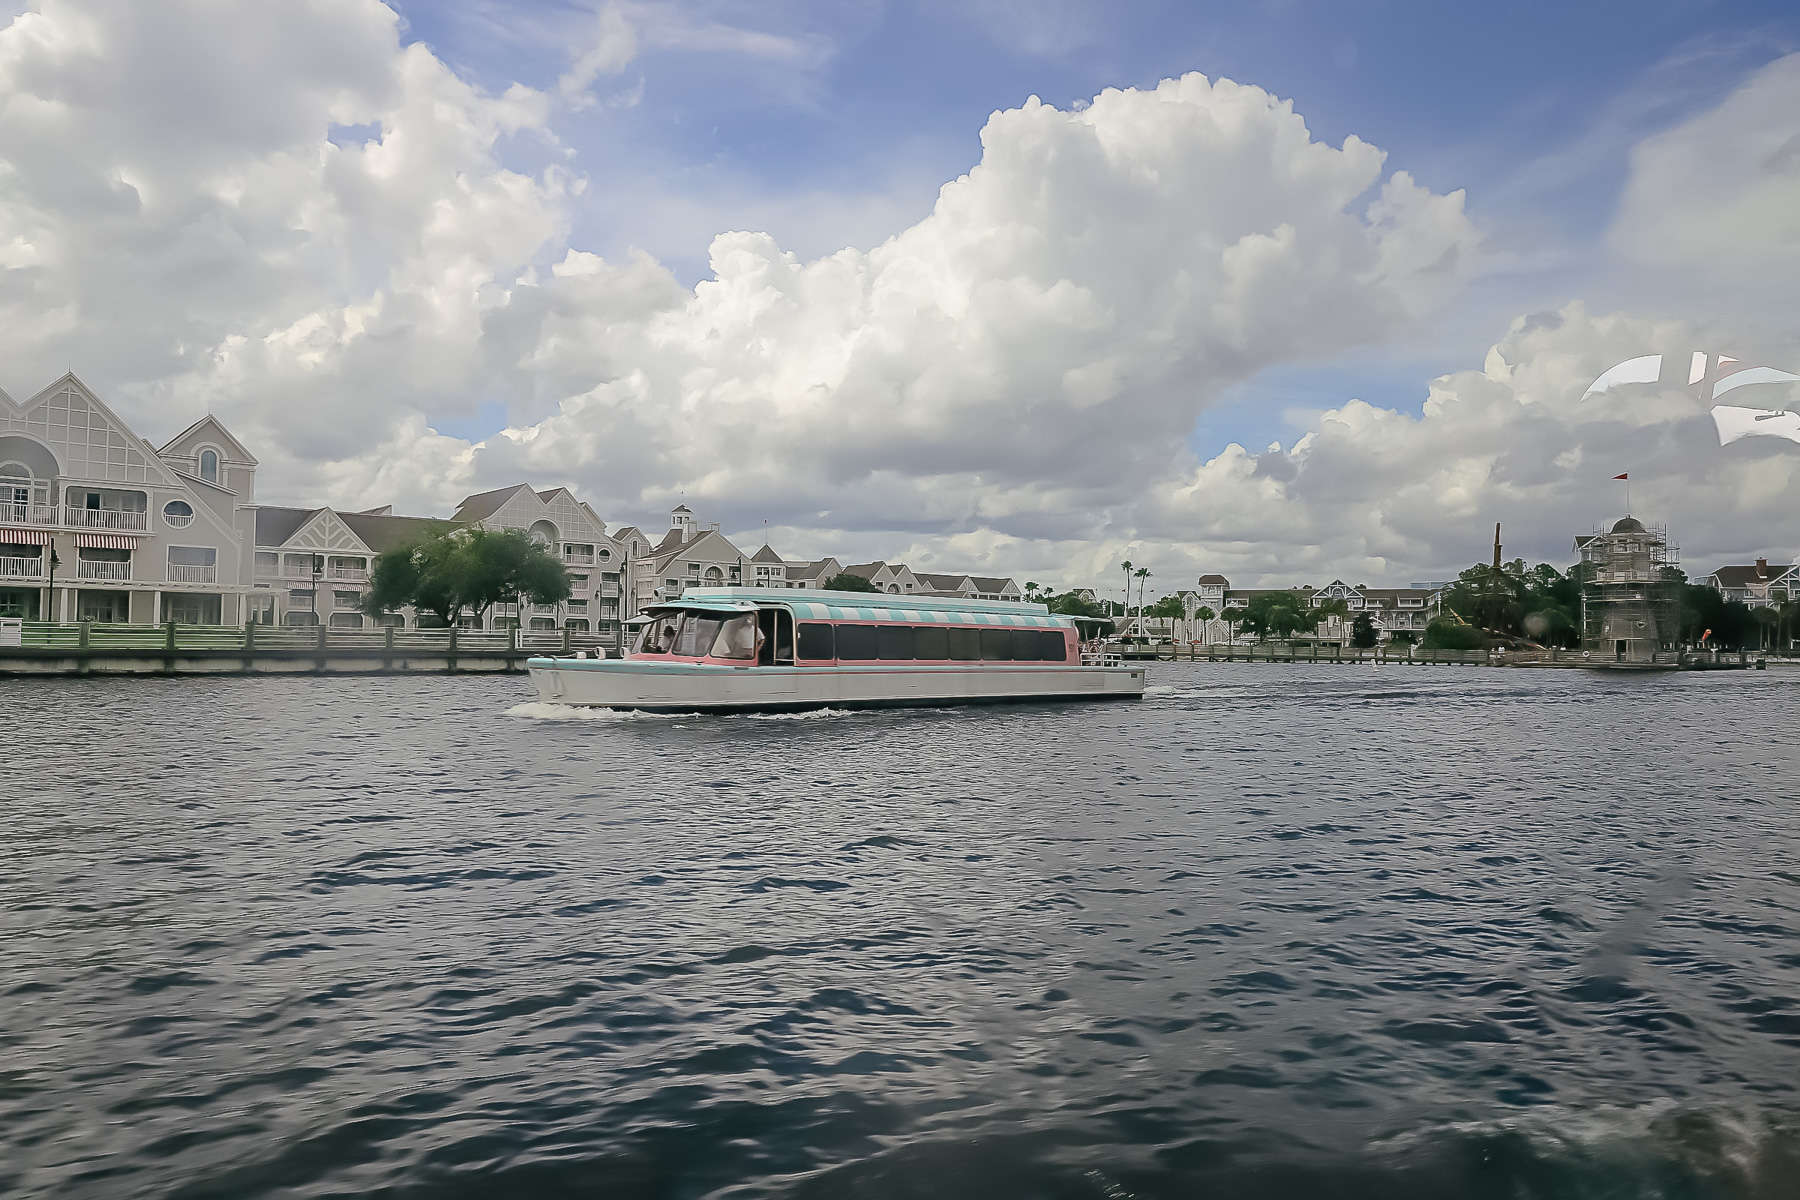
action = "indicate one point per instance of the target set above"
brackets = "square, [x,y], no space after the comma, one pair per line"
[835,123]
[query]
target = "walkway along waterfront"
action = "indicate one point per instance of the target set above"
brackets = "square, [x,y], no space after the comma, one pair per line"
[90,648]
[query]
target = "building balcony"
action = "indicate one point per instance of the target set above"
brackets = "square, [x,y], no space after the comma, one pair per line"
[579,560]
[109,572]
[106,518]
[355,574]
[608,589]
[35,515]
[181,572]
[21,567]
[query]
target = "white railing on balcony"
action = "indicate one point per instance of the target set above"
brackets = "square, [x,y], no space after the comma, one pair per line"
[22,568]
[609,589]
[580,560]
[347,604]
[354,573]
[104,518]
[189,572]
[14,513]
[89,569]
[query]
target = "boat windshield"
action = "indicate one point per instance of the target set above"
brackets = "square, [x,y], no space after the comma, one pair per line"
[698,632]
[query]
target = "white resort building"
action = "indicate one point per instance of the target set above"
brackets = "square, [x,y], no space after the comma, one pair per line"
[97,524]
[1401,613]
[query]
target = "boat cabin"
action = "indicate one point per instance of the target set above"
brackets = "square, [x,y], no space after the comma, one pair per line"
[745,627]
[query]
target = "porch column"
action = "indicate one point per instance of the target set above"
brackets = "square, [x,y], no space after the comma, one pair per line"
[156,607]
[68,604]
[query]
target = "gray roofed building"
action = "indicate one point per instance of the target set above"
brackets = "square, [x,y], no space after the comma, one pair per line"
[384,532]
[275,524]
[484,504]
[766,555]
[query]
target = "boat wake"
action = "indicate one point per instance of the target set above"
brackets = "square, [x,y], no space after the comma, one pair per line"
[544,710]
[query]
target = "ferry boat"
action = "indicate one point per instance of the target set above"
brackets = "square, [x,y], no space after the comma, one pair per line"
[737,649]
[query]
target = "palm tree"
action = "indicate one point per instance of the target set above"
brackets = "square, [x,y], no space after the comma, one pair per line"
[1142,573]
[1204,615]
[1337,606]
[1126,566]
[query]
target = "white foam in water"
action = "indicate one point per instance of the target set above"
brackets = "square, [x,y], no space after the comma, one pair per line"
[807,715]
[540,710]
[1161,689]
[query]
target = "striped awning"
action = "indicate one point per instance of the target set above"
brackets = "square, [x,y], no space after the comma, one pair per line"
[106,541]
[25,537]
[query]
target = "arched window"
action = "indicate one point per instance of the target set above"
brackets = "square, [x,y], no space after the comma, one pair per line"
[209,465]
[543,533]
[179,514]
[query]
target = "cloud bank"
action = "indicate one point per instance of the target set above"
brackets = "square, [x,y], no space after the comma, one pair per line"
[289,216]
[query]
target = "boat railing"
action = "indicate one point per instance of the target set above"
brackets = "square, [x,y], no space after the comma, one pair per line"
[1101,658]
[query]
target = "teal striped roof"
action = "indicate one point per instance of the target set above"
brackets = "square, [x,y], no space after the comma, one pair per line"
[873,606]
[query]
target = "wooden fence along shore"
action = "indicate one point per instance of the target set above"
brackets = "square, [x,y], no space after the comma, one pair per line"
[88,648]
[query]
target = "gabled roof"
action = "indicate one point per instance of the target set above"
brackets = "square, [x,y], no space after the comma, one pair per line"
[672,540]
[382,533]
[682,508]
[1741,575]
[943,583]
[992,583]
[866,570]
[766,555]
[483,505]
[219,432]
[1214,581]
[275,525]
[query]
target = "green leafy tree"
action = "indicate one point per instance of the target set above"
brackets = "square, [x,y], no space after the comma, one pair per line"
[1072,605]
[844,581]
[1276,615]
[1169,608]
[1446,633]
[466,571]
[1362,632]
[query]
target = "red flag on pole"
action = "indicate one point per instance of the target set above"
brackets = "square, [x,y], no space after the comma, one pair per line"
[1627,475]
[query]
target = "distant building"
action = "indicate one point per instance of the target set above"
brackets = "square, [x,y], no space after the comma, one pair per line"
[688,555]
[1396,613]
[1630,608]
[1761,584]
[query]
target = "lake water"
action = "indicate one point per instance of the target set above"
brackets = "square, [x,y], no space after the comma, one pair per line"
[1283,931]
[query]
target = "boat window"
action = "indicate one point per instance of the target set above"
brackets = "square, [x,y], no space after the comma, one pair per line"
[698,632]
[856,642]
[894,641]
[1055,647]
[965,644]
[658,636]
[816,640]
[931,642]
[736,639]
[996,645]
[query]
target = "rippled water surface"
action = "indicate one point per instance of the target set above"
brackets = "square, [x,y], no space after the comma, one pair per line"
[1275,931]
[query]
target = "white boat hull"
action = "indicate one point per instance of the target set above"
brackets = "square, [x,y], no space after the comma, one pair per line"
[703,687]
